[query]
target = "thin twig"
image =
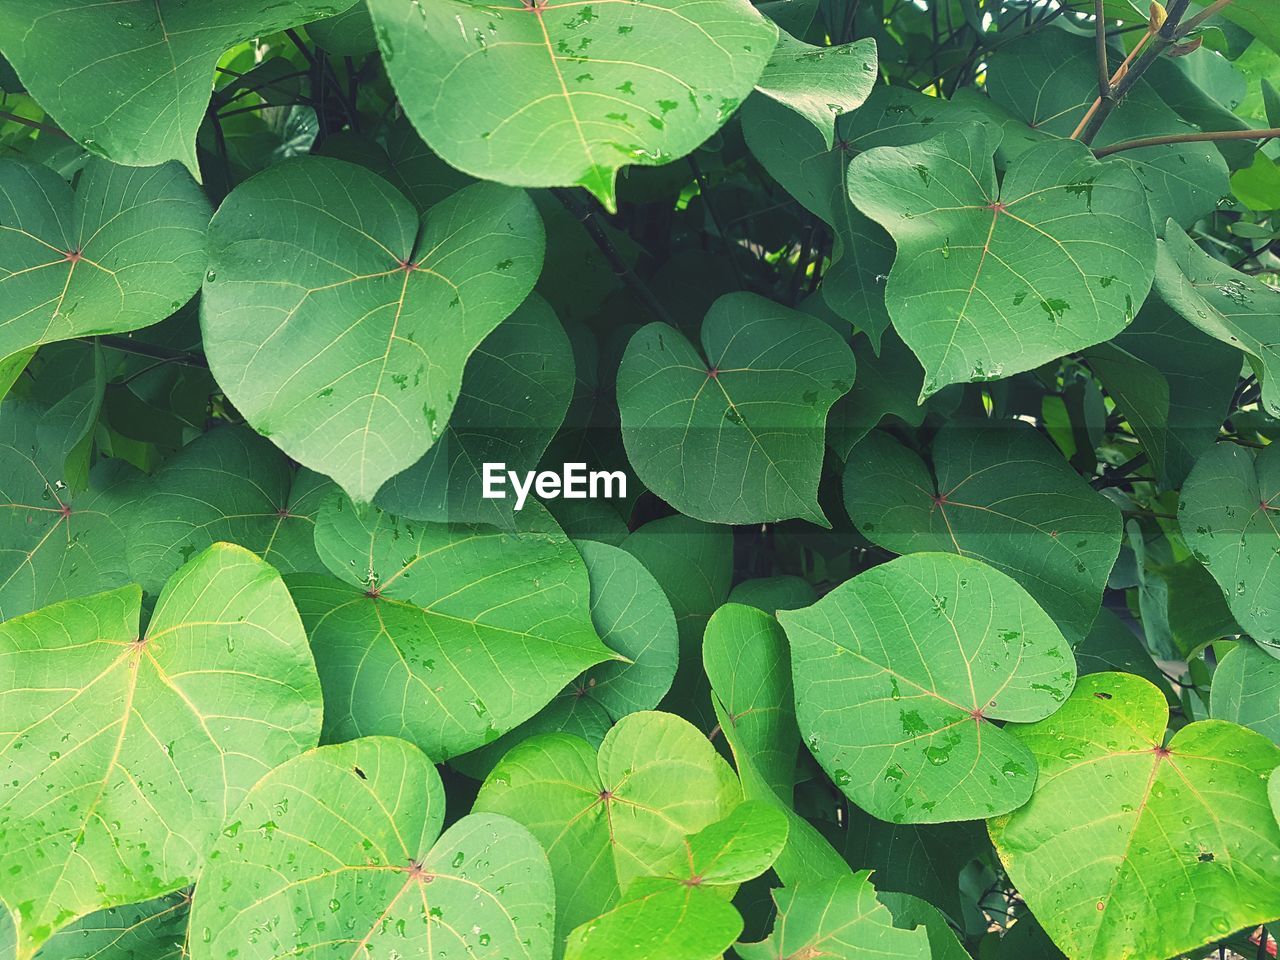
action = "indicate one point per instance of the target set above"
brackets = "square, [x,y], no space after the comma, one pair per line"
[1128,76]
[1202,16]
[621,268]
[704,188]
[1100,42]
[1187,138]
[152,350]
[34,124]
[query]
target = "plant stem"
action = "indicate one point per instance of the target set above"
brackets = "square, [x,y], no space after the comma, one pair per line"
[1128,77]
[34,124]
[1202,16]
[621,269]
[1100,44]
[1188,138]
[704,189]
[152,350]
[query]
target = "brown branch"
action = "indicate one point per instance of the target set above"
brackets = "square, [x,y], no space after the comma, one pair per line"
[1100,44]
[1154,43]
[34,124]
[1212,135]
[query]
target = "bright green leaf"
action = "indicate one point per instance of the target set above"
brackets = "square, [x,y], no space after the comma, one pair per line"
[181,721]
[338,853]
[1246,690]
[899,673]
[839,918]
[1118,818]
[608,818]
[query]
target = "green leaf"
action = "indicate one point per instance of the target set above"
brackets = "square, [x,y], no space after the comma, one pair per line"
[887,386]
[683,903]
[634,619]
[999,493]
[568,96]
[1230,516]
[927,859]
[813,171]
[820,83]
[1256,16]
[448,636]
[349,34]
[156,930]
[748,663]
[991,281]
[338,852]
[1230,306]
[1172,382]
[54,543]
[182,722]
[1246,690]
[839,918]
[734,434]
[899,673]
[228,484]
[123,251]
[515,391]
[607,819]
[138,94]
[747,660]
[1117,817]
[322,336]
[910,912]
[1050,79]
[1110,646]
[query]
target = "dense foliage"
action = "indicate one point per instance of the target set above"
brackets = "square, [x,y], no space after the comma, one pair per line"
[937,342]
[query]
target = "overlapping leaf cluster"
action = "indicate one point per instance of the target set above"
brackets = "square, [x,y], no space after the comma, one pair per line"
[937,343]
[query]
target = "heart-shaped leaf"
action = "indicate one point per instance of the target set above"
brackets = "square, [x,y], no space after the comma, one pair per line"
[1230,516]
[820,83]
[1119,816]
[515,391]
[335,853]
[447,635]
[1246,690]
[734,434]
[1001,494]
[228,484]
[1226,304]
[838,917]
[608,818]
[123,251]
[544,94]
[180,721]
[899,672]
[989,281]
[54,543]
[339,324]
[140,93]
[684,903]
